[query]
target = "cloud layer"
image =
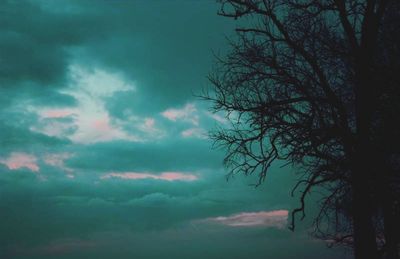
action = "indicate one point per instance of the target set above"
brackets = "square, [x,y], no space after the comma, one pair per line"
[165,176]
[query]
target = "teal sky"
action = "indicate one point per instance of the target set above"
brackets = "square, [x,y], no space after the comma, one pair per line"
[103,146]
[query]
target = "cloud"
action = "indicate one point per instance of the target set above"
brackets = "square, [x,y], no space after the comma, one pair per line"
[275,218]
[54,127]
[97,82]
[57,160]
[147,127]
[14,137]
[165,176]
[149,123]
[89,122]
[187,114]
[93,121]
[194,132]
[168,154]
[217,117]
[56,113]
[18,160]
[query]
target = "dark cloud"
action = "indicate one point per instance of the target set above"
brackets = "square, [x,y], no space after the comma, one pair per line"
[175,155]
[148,38]
[19,138]
[34,42]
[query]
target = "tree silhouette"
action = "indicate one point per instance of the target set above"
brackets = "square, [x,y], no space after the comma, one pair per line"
[386,127]
[304,83]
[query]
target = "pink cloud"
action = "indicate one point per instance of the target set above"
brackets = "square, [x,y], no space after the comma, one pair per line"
[187,113]
[102,124]
[172,114]
[275,218]
[148,126]
[98,127]
[173,176]
[21,160]
[166,176]
[56,113]
[194,132]
[149,123]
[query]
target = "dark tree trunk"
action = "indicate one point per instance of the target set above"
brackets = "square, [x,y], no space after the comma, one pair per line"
[364,174]
[391,213]
[391,225]
[365,246]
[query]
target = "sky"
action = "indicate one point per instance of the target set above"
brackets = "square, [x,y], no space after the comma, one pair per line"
[103,143]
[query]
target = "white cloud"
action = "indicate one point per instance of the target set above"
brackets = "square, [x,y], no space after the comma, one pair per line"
[217,117]
[98,83]
[275,218]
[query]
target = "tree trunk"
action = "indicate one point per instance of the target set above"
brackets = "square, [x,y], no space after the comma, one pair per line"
[365,246]
[391,213]
[391,225]
[364,169]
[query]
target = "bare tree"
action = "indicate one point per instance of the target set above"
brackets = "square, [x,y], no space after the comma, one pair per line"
[300,84]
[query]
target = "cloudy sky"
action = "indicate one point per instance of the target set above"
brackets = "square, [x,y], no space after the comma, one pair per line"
[103,146]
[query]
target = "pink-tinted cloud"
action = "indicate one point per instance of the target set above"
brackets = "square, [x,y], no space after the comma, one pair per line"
[97,126]
[18,160]
[149,127]
[149,123]
[194,133]
[187,113]
[56,113]
[166,176]
[102,124]
[275,218]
